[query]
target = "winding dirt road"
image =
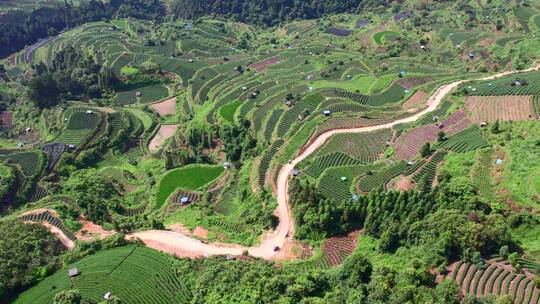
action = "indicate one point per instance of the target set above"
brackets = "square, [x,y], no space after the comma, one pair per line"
[185,246]
[181,245]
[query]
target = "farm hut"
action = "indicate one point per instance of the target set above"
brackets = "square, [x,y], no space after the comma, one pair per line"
[499,161]
[355,198]
[244,88]
[295,172]
[388,143]
[471,55]
[327,112]
[20,145]
[409,163]
[138,94]
[288,103]
[72,147]
[73,272]
[107,295]
[423,47]
[28,129]
[483,124]
[227,165]
[190,60]
[349,76]
[89,111]
[343,178]
[184,200]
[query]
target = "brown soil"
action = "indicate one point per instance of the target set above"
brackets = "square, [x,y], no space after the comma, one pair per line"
[404,183]
[180,228]
[165,132]
[163,247]
[294,250]
[91,231]
[106,109]
[415,101]
[200,232]
[164,108]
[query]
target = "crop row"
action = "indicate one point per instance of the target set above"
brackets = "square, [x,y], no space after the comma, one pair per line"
[536,106]
[135,274]
[393,94]
[200,78]
[468,140]
[271,123]
[337,249]
[347,107]
[381,177]
[53,151]
[292,115]
[366,147]
[28,162]
[335,183]
[342,93]
[494,279]
[481,173]
[315,167]
[266,159]
[49,218]
[429,170]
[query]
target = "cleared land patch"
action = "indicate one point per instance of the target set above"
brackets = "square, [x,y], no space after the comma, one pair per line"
[165,132]
[164,108]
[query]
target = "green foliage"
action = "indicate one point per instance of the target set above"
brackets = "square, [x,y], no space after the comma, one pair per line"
[7,178]
[67,297]
[44,91]
[425,150]
[28,252]
[93,193]
[191,177]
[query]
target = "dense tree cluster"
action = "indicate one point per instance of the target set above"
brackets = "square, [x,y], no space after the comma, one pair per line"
[28,253]
[266,12]
[450,219]
[7,178]
[71,75]
[214,280]
[19,28]
[94,194]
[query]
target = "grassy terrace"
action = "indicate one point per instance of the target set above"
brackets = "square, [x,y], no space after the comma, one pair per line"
[192,177]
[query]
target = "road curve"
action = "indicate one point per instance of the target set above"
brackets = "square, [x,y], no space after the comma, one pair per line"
[182,245]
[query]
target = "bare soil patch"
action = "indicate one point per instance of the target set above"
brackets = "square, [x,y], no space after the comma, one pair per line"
[91,231]
[415,101]
[164,108]
[200,232]
[505,108]
[261,66]
[404,183]
[165,132]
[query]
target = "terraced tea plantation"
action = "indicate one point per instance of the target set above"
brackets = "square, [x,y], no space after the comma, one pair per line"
[124,272]
[346,158]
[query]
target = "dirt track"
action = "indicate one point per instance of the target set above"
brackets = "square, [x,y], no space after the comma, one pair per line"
[285,228]
[184,246]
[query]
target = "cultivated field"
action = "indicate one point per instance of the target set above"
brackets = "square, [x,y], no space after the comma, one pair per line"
[504,108]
